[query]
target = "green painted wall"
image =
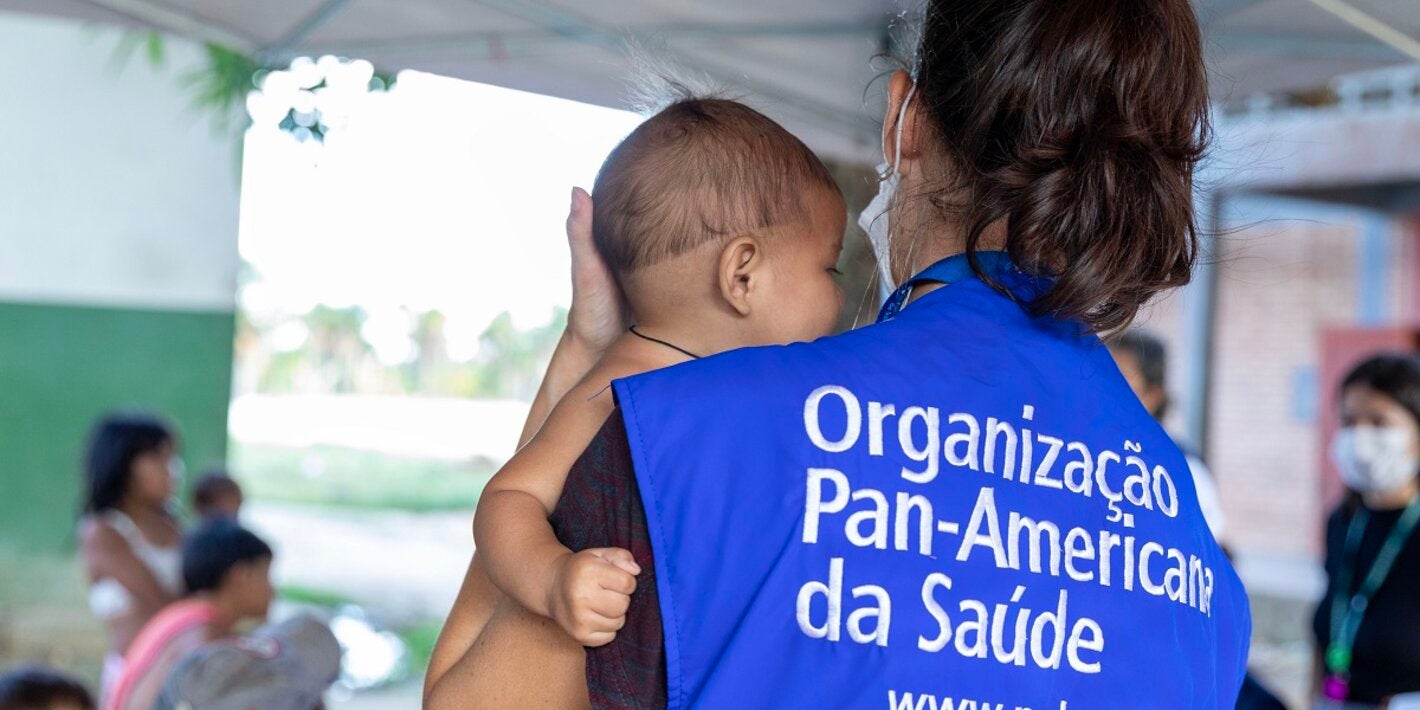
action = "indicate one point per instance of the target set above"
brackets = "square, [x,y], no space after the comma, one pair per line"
[63,366]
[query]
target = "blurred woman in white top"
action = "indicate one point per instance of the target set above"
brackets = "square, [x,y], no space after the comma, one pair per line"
[129,539]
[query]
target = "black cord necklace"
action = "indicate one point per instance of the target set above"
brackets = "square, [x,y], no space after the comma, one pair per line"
[658,341]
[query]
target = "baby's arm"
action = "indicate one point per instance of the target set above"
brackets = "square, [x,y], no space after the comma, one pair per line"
[587,593]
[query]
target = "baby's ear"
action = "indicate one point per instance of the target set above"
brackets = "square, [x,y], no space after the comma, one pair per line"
[742,267]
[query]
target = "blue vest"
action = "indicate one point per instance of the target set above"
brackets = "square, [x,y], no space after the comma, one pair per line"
[960,507]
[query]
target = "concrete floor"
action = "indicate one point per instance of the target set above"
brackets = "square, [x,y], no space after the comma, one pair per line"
[404,696]
[402,566]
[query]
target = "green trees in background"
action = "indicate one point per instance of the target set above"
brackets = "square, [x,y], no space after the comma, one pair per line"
[510,362]
[327,351]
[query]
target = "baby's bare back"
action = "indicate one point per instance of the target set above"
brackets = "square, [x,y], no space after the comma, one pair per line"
[571,426]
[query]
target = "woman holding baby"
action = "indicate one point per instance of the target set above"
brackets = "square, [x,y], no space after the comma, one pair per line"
[1037,191]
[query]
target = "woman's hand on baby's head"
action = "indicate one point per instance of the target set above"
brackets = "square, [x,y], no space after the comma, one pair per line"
[591,592]
[598,314]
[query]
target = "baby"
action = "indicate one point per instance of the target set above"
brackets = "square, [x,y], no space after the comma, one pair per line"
[723,231]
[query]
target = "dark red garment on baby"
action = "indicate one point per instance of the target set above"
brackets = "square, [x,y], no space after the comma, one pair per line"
[601,507]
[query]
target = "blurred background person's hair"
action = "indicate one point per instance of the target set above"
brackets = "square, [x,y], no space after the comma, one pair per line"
[1143,359]
[117,449]
[216,494]
[39,688]
[217,550]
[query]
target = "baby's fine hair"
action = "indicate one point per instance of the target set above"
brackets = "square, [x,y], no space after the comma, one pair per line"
[701,169]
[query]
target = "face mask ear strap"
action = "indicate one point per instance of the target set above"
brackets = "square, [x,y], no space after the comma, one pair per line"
[887,169]
[901,115]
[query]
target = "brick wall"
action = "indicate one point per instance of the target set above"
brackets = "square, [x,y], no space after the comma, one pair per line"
[1278,287]
[1281,283]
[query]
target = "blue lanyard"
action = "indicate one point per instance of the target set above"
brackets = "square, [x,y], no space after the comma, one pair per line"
[947,271]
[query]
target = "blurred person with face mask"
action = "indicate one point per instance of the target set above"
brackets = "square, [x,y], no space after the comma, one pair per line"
[1367,627]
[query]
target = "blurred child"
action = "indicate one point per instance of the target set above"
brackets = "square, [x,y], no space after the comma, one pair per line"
[40,688]
[288,665]
[228,575]
[216,495]
[723,231]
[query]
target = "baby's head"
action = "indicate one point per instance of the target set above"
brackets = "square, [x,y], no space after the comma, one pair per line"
[711,213]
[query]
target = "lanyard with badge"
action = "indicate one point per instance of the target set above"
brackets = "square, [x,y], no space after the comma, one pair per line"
[947,271]
[1346,612]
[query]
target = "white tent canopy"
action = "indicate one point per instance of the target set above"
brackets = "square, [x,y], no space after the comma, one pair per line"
[805,61]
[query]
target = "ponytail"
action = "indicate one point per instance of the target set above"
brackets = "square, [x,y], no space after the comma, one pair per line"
[1078,123]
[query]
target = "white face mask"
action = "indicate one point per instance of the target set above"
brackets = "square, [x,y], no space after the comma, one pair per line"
[874,219]
[1374,459]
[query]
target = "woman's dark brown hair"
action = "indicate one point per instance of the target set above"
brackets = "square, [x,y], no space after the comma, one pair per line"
[1078,122]
[1395,375]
